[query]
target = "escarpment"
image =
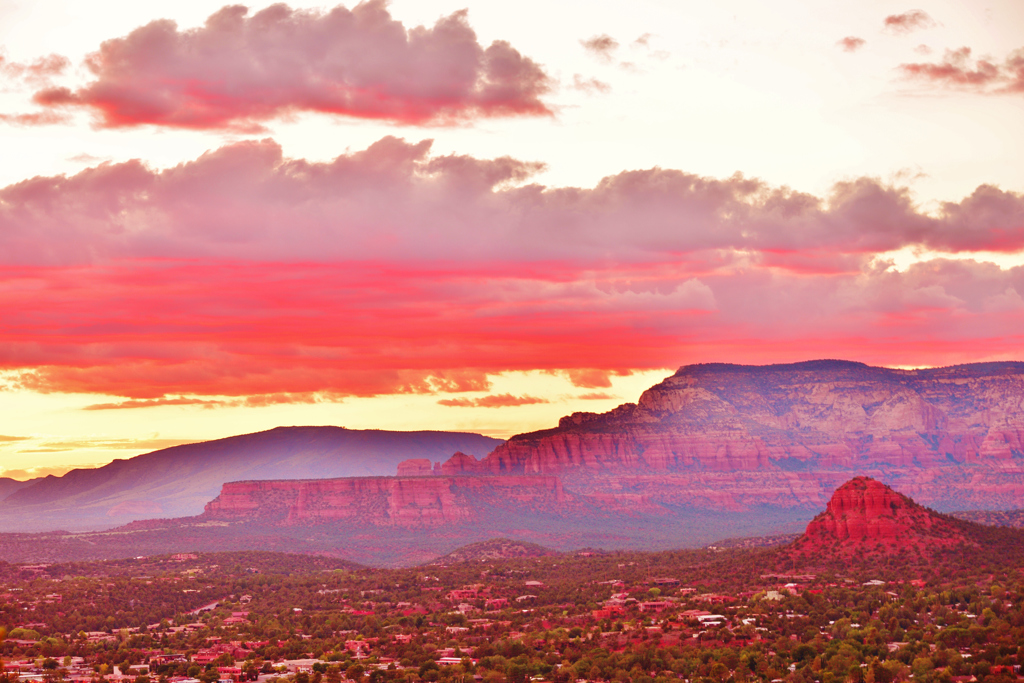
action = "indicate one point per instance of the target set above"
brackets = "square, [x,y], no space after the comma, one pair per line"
[712,438]
[382,501]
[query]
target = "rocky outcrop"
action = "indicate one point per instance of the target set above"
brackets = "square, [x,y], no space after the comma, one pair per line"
[865,516]
[415,467]
[383,501]
[461,464]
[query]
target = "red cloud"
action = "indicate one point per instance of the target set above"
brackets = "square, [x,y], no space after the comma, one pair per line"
[958,70]
[909,21]
[237,71]
[852,43]
[493,401]
[246,277]
[157,331]
[590,378]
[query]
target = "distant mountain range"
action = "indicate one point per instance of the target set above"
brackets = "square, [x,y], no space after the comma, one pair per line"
[179,481]
[714,451]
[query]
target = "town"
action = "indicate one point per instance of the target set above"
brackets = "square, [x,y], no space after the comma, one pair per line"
[712,615]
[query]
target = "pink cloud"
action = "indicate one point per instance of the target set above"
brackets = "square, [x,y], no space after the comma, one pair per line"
[395,202]
[237,71]
[909,21]
[851,43]
[959,70]
[589,378]
[602,46]
[39,118]
[38,72]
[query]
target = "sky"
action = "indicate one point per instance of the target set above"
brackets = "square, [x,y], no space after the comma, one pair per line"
[476,216]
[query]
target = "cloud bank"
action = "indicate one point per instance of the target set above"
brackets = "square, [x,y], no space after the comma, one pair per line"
[246,274]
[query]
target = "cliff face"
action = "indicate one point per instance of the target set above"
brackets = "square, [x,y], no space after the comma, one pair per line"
[755,446]
[934,431]
[382,501]
[179,481]
[865,516]
[817,414]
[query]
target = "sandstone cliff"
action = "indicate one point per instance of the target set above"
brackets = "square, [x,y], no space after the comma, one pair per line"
[950,436]
[713,451]
[817,414]
[384,501]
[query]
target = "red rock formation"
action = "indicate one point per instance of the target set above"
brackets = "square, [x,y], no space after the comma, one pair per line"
[382,501]
[460,464]
[865,516]
[416,467]
[823,419]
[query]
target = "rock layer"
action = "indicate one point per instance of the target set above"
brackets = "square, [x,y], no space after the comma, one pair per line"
[711,438]
[382,501]
[951,436]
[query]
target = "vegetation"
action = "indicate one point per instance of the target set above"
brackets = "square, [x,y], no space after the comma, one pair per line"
[590,616]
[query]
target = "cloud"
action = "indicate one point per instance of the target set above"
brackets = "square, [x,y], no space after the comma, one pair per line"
[492,401]
[39,118]
[239,71]
[597,396]
[643,40]
[247,278]
[590,85]
[152,403]
[589,378]
[959,70]
[394,201]
[908,22]
[253,401]
[851,43]
[603,46]
[11,439]
[85,158]
[37,73]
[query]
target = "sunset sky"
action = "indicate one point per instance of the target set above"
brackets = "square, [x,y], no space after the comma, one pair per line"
[482,216]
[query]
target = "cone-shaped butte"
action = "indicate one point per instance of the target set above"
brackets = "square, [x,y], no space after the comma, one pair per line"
[866,517]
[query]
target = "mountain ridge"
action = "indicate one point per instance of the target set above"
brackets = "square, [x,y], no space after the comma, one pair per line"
[179,481]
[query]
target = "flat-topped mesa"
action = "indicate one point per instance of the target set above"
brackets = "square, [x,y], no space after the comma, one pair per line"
[415,467]
[383,501]
[817,415]
[459,464]
[866,516]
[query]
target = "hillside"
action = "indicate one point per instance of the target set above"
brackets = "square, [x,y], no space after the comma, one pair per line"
[494,549]
[179,481]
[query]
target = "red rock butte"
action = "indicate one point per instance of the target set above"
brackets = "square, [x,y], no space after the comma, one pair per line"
[865,516]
